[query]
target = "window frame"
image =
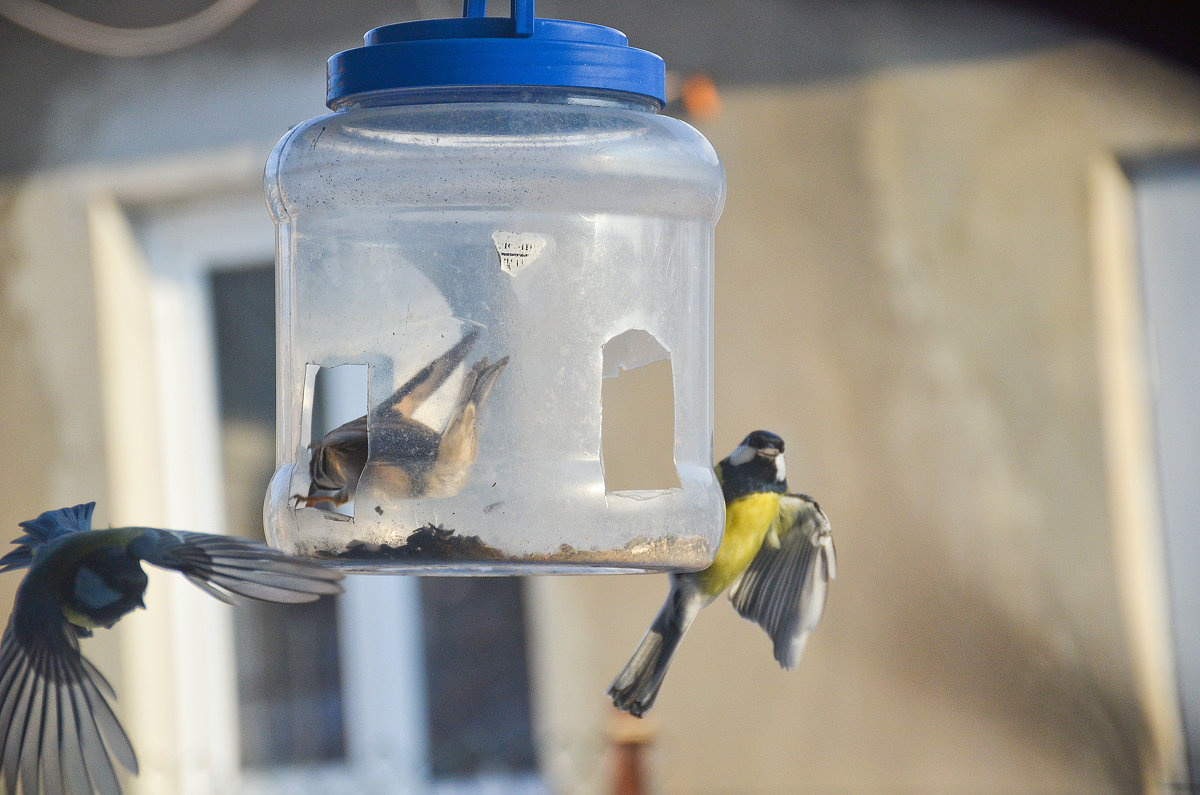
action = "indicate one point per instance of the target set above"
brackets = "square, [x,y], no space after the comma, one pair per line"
[1133,493]
[155,234]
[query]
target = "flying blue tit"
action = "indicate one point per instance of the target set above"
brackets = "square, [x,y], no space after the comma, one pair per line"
[416,460]
[777,553]
[56,723]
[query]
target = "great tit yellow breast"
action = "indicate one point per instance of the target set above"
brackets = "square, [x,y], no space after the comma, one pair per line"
[78,619]
[746,522]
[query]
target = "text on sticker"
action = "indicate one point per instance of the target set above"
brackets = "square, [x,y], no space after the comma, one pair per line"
[517,249]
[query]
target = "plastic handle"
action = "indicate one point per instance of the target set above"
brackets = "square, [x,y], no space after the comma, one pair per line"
[521,12]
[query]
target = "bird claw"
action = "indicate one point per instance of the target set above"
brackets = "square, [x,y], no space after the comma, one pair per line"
[314,501]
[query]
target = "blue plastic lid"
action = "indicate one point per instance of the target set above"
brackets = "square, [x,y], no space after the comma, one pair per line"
[475,50]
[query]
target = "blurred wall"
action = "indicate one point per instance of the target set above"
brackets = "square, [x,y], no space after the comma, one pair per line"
[904,293]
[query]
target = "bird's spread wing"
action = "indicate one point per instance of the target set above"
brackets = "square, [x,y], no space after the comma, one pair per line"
[55,717]
[783,589]
[227,567]
[47,527]
[417,389]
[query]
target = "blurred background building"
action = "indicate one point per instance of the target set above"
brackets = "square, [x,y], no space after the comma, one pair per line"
[956,271]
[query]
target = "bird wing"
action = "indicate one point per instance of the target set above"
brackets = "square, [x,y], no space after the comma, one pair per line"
[45,528]
[783,589]
[227,567]
[417,389]
[55,716]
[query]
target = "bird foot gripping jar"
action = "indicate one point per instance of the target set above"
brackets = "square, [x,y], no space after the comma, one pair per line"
[493,219]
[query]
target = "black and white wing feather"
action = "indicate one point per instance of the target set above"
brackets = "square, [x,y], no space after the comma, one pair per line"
[56,723]
[783,589]
[228,567]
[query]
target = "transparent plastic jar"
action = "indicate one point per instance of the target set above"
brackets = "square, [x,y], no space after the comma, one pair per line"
[474,249]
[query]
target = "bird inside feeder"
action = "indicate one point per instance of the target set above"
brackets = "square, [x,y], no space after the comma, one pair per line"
[411,458]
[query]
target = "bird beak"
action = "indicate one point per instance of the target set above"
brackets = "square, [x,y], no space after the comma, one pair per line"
[768,452]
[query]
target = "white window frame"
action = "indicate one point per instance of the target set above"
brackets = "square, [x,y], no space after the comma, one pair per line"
[1166,192]
[1133,490]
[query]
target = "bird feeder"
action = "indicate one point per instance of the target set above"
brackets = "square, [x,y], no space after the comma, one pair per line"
[493,219]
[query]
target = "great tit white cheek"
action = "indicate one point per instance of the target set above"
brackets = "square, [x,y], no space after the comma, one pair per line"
[780,469]
[742,455]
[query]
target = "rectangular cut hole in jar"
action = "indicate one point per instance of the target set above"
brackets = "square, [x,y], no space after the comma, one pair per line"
[339,396]
[637,399]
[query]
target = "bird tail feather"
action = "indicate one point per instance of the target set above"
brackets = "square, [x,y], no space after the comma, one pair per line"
[636,687]
[458,447]
[48,526]
[476,387]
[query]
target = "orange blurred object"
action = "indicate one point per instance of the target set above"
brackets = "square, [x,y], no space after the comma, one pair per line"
[700,97]
[630,739]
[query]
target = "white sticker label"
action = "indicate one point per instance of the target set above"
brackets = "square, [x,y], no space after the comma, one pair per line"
[517,249]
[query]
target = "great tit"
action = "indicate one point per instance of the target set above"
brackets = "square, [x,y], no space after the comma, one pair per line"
[777,553]
[415,460]
[56,723]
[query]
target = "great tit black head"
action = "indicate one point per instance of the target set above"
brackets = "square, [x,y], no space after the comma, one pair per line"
[763,443]
[108,583]
[755,465]
[761,448]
